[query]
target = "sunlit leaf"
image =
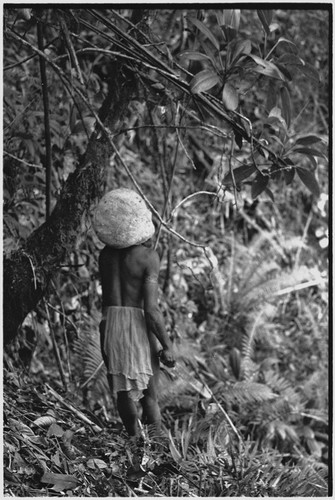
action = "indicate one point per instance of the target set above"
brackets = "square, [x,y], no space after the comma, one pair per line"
[270,70]
[308,178]
[203,81]
[44,421]
[266,68]
[60,481]
[265,17]
[229,97]
[275,115]
[231,18]
[205,31]
[259,185]
[194,55]
[96,463]
[55,430]
[173,450]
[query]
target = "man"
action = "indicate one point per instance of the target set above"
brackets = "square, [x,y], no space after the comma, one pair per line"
[131,319]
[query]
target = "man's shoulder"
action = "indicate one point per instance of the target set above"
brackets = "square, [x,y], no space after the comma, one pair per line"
[145,253]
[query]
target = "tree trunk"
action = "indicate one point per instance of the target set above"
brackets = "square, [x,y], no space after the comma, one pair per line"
[27,271]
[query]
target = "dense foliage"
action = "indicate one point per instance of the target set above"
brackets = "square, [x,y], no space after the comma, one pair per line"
[226,137]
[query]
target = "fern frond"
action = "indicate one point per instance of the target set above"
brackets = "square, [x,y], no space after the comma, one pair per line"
[248,343]
[248,392]
[278,409]
[258,275]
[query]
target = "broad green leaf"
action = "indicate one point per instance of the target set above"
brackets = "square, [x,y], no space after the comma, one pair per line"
[259,60]
[283,69]
[290,59]
[292,45]
[238,139]
[276,116]
[289,175]
[286,105]
[267,68]
[265,17]
[194,55]
[308,178]
[203,81]
[242,47]
[307,140]
[259,185]
[229,97]
[240,173]
[309,151]
[231,18]
[270,194]
[205,31]
[310,72]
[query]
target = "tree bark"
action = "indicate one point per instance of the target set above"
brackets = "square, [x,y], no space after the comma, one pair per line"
[27,271]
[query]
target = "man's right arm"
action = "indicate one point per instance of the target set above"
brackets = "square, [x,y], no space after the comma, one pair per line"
[153,315]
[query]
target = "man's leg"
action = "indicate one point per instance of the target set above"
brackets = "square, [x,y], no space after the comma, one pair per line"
[149,402]
[128,412]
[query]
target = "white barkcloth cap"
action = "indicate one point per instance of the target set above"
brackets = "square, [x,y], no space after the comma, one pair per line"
[122,219]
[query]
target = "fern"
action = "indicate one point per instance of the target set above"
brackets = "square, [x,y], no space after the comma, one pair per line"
[248,392]
[88,352]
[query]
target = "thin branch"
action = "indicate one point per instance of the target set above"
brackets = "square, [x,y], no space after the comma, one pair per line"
[150,42]
[231,170]
[209,193]
[300,286]
[167,194]
[33,165]
[92,376]
[14,65]
[55,349]
[74,410]
[48,157]
[303,238]
[70,48]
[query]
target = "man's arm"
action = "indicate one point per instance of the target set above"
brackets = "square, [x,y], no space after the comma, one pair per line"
[153,315]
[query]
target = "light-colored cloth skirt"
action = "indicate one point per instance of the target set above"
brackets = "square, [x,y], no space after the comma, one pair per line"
[126,347]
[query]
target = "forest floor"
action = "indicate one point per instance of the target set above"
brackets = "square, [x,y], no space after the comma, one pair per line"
[53,446]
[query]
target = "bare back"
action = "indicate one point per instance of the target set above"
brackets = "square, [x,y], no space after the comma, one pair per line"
[124,273]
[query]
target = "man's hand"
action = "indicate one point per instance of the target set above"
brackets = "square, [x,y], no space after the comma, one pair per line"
[167,358]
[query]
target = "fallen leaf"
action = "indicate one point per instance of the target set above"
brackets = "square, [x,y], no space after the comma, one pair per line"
[96,462]
[60,481]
